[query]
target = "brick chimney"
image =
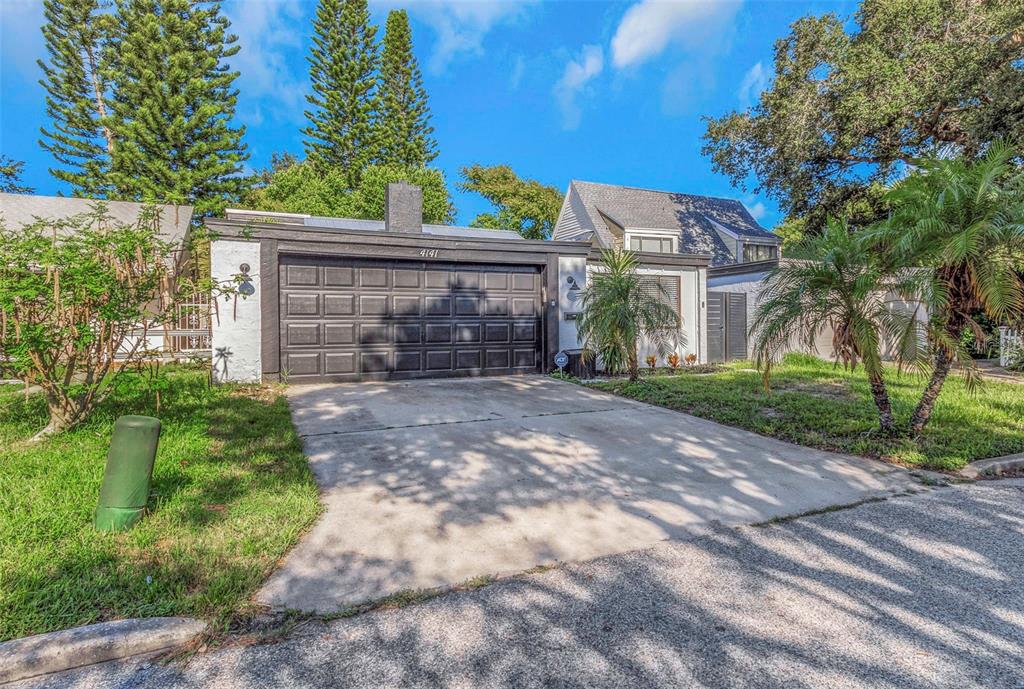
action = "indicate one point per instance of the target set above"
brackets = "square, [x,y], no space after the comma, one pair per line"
[403,208]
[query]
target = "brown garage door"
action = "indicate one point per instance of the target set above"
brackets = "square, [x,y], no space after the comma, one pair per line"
[352,319]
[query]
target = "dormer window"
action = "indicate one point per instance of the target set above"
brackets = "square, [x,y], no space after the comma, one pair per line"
[652,241]
[759,252]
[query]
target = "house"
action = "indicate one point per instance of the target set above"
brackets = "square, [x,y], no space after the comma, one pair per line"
[343,299]
[740,251]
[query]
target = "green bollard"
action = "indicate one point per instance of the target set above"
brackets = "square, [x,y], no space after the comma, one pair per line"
[129,469]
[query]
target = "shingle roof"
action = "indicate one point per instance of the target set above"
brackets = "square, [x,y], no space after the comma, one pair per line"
[692,215]
[24,209]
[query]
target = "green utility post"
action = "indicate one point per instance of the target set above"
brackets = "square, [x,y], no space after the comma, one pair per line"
[129,469]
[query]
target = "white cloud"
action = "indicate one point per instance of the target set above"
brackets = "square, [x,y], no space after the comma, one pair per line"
[754,82]
[462,25]
[649,26]
[518,70]
[576,76]
[755,207]
[269,80]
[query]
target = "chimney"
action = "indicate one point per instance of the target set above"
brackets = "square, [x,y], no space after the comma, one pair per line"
[403,208]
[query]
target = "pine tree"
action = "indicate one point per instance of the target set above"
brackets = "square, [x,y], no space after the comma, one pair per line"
[80,139]
[403,120]
[173,101]
[342,68]
[10,176]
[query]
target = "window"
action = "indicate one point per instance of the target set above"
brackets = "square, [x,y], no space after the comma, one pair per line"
[665,287]
[759,252]
[656,245]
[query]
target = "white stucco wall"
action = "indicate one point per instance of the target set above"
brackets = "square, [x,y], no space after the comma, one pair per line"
[574,267]
[236,321]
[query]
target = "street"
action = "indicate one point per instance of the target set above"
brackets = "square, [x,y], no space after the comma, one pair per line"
[920,590]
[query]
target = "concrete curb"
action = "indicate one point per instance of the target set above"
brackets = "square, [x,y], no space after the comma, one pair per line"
[94,643]
[997,466]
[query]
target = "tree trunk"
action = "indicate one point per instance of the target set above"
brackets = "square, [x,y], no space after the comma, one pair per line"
[634,365]
[924,408]
[56,424]
[881,397]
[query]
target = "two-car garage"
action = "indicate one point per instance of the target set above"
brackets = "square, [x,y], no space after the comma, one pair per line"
[356,319]
[324,299]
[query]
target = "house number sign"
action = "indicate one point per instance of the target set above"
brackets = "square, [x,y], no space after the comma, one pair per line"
[430,253]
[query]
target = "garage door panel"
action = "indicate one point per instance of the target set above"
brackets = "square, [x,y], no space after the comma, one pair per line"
[467,333]
[524,332]
[525,358]
[437,279]
[467,359]
[373,305]
[438,333]
[496,306]
[302,305]
[347,318]
[467,306]
[339,363]
[302,334]
[495,333]
[335,276]
[374,333]
[339,305]
[467,279]
[439,360]
[339,333]
[437,306]
[406,278]
[297,364]
[406,306]
[408,333]
[524,282]
[302,275]
[496,358]
[373,277]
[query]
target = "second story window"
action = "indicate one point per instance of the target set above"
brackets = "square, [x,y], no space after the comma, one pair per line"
[759,252]
[652,244]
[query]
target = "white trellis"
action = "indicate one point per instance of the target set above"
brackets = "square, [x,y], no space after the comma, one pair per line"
[1009,341]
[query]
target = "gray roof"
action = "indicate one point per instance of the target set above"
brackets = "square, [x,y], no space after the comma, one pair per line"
[589,206]
[19,210]
[319,222]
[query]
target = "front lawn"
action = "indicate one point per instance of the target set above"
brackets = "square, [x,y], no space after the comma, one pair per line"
[231,492]
[815,404]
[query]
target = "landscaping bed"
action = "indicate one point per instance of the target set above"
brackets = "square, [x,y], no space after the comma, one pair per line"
[231,492]
[813,403]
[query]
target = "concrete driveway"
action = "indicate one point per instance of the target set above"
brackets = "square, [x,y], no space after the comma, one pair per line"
[432,483]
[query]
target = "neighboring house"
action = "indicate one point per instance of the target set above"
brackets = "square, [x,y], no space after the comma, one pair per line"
[740,251]
[174,223]
[341,299]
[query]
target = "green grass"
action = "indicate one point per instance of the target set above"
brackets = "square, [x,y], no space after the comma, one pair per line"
[815,404]
[231,492]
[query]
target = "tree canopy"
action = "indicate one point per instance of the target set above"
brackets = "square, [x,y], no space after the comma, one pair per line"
[10,176]
[848,110]
[523,205]
[305,188]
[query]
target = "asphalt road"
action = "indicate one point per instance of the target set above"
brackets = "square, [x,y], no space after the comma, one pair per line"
[916,591]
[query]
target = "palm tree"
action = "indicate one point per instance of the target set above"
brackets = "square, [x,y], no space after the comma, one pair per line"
[962,221]
[619,307]
[843,289]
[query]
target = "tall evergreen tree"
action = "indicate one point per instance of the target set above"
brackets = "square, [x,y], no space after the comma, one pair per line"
[173,101]
[342,68]
[76,87]
[10,176]
[403,118]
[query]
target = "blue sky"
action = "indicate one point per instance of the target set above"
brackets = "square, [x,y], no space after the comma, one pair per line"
[602,91]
